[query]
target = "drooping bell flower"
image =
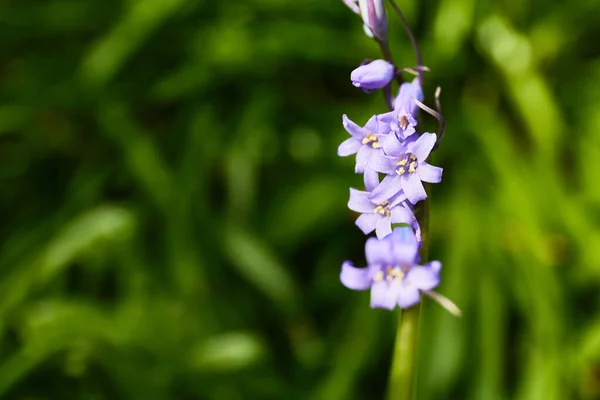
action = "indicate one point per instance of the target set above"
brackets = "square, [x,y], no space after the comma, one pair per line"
[406,171]
[393,272]
[374,75]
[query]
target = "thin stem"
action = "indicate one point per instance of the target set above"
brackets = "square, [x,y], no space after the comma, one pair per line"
[410,36]
[387,96]
[387,55]
[404,364]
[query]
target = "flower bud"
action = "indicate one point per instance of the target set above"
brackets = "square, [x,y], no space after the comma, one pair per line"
[374,18]
[375,75]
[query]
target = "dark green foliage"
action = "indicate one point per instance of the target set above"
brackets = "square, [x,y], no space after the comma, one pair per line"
[174,213]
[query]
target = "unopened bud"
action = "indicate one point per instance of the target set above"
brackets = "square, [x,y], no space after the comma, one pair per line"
[375,75]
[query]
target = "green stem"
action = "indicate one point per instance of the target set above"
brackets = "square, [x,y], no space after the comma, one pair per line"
[404,363]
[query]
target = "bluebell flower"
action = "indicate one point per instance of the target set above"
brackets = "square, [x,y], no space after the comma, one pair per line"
[366,142]
[379,217]
[406,171]
[393,272]
[402,120]
[373,15]
[374,75]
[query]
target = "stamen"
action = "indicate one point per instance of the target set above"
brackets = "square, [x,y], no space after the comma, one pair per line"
[371,138]
[383,209]
[378,277]
[403,121]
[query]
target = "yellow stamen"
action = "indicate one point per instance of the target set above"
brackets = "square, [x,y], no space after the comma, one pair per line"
[371,138]
[403,121]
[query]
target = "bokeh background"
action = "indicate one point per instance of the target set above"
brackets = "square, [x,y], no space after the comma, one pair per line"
[173,212]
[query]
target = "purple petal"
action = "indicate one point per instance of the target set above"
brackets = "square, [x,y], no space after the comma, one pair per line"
[375,75]
[355,278]
[423,278]
[349,146]
[408,296]
[413,188]
[367,223]
[401,215]
[422,147]
[372,124]
[378,252]
[388,188]
[371,179]
[374,18]
[383,164]
[404,246]
[383,227]
[384,295]
[429,173]
[408,90]
[353,129]
[387,117]
[397,199]
[359,201]
[391,145]
[435,266]
[362,158]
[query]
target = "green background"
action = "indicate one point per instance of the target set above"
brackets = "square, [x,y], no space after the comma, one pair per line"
[173,212]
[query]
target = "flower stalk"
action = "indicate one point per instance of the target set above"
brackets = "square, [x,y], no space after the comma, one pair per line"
[402,380]
[392,152]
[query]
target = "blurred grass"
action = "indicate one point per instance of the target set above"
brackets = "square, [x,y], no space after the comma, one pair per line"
[174,214]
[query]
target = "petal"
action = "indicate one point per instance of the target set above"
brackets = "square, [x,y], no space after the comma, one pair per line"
[408,295]
[378,251]
[362,158]
[422,147]
[388,188]
[397,199]
[359,201]
[366,223]
[349,146]
[405,247]
[391,145]
[353,129]
[436,266]
[383,227]
[429,173]
[372,124]
[413,188]
[384,295]
[371,179]
[401,215]
[387,117]
[355,278]
[374,75]
[424,278]
[383,164]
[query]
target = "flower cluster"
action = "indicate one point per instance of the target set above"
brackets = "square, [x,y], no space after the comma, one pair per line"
[388,146]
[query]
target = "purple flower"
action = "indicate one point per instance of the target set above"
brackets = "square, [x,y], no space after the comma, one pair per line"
[379,217]
[402,120]
[406,171]
[393,273]
[374,75]
[366,142]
